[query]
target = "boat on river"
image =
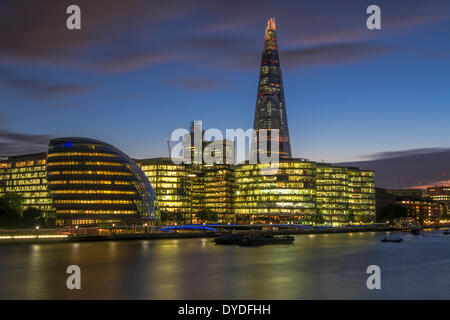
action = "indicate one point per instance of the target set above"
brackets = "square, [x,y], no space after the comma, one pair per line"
[265,239]
[393,239]
[228,238]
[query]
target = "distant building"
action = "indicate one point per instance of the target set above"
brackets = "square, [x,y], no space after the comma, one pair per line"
[440,194]
[91,182]
[418,204]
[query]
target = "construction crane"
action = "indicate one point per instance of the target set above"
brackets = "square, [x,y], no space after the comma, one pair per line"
[168,147]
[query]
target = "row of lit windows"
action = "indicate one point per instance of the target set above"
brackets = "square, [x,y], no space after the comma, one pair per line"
[94,201]
[96,212]
[28,175]
[87,154]
[42,182]
[162,167]
[30,163]
[111,173]
[27,169]
[89,163]
[90,182]
[26,188]
[91,192]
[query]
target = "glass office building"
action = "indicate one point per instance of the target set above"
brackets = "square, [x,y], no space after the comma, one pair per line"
[270,111]
[170,183]
[299,189]
[93,183]
[27,176]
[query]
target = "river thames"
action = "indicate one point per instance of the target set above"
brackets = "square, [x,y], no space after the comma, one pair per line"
[325,266]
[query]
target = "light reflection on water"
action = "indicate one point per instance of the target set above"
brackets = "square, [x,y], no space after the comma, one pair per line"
[329,266]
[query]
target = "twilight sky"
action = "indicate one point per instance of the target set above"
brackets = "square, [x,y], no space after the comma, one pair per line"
[139,69]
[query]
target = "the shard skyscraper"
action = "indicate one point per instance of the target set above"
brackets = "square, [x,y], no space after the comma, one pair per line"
[270,110]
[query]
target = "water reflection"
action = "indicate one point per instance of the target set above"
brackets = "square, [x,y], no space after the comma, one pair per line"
[329,266]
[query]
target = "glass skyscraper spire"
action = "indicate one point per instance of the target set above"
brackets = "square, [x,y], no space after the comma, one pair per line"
[270,112]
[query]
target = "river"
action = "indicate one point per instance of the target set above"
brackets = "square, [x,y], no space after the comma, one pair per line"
[325,266]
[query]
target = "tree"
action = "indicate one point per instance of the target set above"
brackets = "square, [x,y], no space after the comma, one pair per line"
[31,217]
[444,216]
[11,201]
[206,215]
[318,218]
[350,217]
[164,216]
[213,217]
[177,216]
[392,212]
[167,216]
[365,219]
[11,210]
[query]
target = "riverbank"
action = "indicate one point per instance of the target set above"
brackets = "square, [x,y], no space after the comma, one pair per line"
[117,236]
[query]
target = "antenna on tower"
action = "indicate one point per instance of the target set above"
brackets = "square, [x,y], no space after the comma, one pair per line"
[168,147]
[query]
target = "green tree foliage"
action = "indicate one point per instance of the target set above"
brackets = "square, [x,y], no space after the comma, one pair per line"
[32,217]
[392,212]
[206,215]
[350,217]
[167,216]
[365,219]
[12,216]
[444,216]
[318,218]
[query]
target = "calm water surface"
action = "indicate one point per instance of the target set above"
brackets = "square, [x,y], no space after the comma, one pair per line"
[315,267]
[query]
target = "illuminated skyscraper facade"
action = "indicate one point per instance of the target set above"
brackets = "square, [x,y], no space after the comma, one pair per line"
[270,112]
[26,175]
[91,182]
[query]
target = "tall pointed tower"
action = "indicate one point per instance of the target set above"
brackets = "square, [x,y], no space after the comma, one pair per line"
[270,112]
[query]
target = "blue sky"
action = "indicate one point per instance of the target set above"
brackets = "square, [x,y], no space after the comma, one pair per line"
[139,69]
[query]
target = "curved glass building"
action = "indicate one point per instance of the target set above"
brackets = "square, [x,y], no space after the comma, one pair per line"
[92,182]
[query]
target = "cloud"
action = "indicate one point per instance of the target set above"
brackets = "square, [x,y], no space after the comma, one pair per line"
[35,32]
[407,168]
[136,33]
[331,54]
[131,61]
[404,153]
[13,143]
[38,88]
[197,84]
[323,55]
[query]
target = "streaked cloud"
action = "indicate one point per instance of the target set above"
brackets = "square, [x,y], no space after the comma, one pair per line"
[197,84]
[13,143]
[408,168]
[39,88]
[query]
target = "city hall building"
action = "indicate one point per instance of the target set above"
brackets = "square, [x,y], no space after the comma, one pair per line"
[93,183]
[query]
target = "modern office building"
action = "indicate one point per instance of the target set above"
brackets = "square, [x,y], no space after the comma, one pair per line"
[189,189]
[270,111]
[420,206]
[300,189]
[440,194]
[93,183]
[215,189]
[423,209]
[26,175]
[170,183]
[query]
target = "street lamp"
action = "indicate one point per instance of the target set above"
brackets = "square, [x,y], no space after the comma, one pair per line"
[191,177]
